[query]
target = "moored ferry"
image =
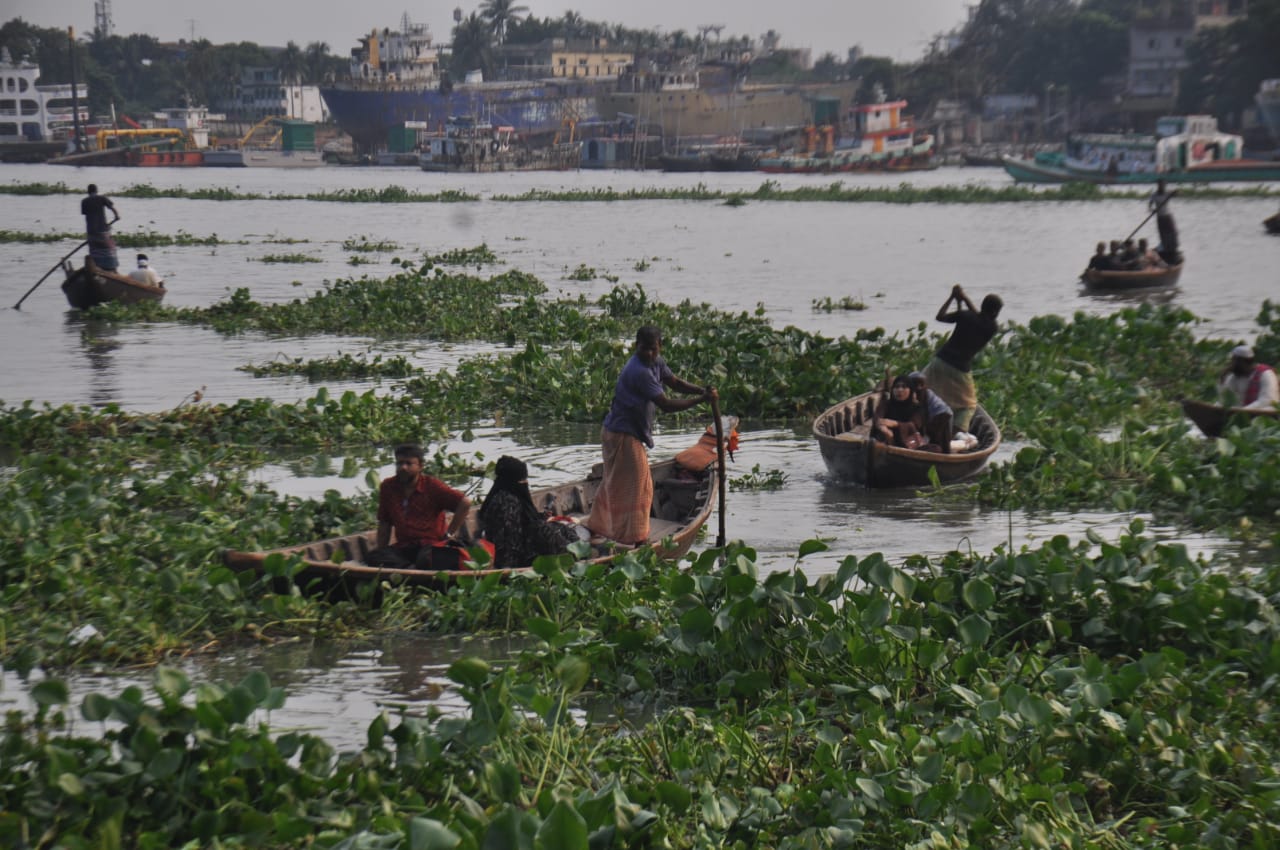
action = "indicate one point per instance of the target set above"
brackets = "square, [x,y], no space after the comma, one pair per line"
[882,139]
[36,121]
[1183,149]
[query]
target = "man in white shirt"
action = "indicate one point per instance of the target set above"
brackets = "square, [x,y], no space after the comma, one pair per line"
[145,274]
[1248,383]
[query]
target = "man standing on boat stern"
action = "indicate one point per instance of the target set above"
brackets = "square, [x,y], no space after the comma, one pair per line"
[102,248]
[414,504]
[1159,203]
[621,508]
[1248,383]
[949,373]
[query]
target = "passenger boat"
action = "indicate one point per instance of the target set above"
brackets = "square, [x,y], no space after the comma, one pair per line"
[1137,279]
[883,140]
[1212,419]
[89,286]
[1183,149]
[843,433]
[476,145]
[685,490]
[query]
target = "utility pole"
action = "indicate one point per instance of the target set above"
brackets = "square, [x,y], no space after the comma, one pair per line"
[75,97]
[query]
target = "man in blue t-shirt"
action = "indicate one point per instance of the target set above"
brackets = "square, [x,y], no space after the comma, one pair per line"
[621,508]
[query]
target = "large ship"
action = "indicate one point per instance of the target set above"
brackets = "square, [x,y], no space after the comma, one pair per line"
[715,100]
[396,79]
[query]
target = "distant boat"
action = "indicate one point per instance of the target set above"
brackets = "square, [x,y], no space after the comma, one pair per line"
[1183,149]
[883,140]
[1272,224]
[476,145]
[291,144]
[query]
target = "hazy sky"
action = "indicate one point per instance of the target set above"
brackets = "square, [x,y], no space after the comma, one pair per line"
[900,29]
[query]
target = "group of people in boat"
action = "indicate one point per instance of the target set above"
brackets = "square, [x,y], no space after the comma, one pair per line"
[931,410]
[1124,255]
[429,518]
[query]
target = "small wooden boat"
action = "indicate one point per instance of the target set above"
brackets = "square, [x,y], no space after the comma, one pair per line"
[1212,419]
[1143,278]
[683,499]
[1272,224]
[844,436]
[89,286]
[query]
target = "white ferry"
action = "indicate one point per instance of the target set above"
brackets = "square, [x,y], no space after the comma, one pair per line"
[36,122]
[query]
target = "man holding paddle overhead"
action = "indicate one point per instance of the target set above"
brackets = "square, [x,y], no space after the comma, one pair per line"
[102,248]
[949,372]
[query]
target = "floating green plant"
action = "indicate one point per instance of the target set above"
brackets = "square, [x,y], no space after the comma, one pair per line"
[289,258]
[827,304]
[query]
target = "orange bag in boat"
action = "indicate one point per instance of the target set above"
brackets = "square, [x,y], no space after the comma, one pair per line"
[702,454]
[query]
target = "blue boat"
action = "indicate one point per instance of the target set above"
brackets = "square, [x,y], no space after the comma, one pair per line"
[396,77]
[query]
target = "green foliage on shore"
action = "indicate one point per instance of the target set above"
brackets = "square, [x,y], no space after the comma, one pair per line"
[769,190]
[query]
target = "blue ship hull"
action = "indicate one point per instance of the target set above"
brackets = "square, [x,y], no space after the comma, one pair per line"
[368,114]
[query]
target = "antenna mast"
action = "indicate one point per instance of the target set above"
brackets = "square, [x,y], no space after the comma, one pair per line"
[102,25]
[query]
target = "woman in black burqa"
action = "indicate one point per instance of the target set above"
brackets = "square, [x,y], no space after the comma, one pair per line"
[510,521]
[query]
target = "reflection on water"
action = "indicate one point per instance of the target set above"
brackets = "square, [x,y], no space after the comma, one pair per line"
[333,689]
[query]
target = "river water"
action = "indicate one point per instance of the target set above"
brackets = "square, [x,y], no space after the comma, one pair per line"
[899,259]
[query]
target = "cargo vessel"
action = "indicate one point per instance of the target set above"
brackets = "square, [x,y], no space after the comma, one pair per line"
[396,79]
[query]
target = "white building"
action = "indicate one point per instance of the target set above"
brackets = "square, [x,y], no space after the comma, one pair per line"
[262,92]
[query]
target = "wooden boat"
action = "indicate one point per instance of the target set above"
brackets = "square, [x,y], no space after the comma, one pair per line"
[1212,419]
[89,286]
[843,433]
[682,501]
[1108,279]
[1272,224]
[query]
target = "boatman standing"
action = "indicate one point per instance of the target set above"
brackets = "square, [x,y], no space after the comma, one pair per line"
[949,373]
[1159,202]
[97,230]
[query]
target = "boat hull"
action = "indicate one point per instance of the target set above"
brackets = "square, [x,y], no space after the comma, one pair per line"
[1242,171]
[263,159]
[683,501]
[1146,278]
[89,286]
[370,113]
[165,159]
[1212,419]
[843,435]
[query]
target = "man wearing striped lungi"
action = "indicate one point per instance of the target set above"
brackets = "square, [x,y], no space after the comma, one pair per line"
[622,504]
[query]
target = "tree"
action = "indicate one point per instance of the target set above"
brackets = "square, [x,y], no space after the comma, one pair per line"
[500,14]
[292,64]
[472,46]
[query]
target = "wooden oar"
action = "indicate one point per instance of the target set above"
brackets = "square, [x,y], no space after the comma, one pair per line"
[18,306]
[1159,207]
[720,470]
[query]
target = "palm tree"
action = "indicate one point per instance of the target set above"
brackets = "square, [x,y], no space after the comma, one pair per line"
[317,61]
[471,43]
[292,64]
[499,13]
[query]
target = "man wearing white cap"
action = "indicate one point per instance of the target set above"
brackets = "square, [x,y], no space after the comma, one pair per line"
[1248,383]
[145,274]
